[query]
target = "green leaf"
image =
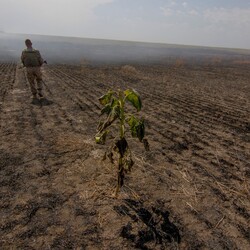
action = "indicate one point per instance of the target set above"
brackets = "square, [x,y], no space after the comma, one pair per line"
[105,99]
[132,122]
[111,107]
[101,138]
[133,97]
[137,127]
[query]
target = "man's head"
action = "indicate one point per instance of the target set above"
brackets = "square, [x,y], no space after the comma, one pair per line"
[28,43]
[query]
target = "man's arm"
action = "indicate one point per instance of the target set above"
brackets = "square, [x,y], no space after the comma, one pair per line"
[40,59]
[22,58]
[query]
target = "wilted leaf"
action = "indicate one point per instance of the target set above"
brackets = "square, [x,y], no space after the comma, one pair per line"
[106,110]
[105,99]
[115,112]
[107,123]
[101,138]
[133,97]
[110,156]
[128,163]
[140,130]
[122,146]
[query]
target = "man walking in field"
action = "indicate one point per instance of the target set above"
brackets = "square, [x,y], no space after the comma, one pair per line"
[32,60]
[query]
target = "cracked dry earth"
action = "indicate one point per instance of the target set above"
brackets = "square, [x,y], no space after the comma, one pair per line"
[191,191]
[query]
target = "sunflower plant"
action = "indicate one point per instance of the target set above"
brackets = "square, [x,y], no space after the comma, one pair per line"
[116,116]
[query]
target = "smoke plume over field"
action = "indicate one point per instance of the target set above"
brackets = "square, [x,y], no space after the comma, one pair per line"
[76,50]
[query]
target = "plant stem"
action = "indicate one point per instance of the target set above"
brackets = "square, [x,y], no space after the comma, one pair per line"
[122,134]
[122,115]
[119,176]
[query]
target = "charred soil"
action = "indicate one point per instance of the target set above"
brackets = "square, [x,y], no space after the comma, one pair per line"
[190,191]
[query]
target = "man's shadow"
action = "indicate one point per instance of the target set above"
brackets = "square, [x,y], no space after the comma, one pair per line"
[41,102]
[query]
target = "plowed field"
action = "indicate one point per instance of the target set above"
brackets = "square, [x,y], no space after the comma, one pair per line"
[190,191]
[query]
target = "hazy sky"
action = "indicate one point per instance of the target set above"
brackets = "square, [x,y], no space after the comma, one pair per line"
[223,23]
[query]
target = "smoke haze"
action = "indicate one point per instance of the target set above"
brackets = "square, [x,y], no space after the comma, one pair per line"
[76,50]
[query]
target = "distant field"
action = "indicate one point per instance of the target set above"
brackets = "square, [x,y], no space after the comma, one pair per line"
[71,50]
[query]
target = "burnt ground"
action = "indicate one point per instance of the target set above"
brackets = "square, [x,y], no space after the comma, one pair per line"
[190,191]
